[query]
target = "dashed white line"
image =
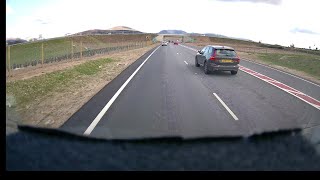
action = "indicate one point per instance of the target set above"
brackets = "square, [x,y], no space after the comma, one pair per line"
[227,108]
[268,67]
[308,99]
[107,106]
[186,62]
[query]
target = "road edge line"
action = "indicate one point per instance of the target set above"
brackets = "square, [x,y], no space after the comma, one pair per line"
[114,97]
[289,74]
[283,89]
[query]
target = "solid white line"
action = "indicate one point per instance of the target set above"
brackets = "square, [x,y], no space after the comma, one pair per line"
[186,62]
[107,106]
[225,106]
[188,47]
[242,68]
[272,81]
[269,68]
[290,92]
[280,71]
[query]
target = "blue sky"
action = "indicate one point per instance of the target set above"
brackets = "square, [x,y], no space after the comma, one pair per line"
[272,21]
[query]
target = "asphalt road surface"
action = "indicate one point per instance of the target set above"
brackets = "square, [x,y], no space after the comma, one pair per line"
[163,94]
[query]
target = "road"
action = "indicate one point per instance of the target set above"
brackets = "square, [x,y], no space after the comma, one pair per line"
[163,94]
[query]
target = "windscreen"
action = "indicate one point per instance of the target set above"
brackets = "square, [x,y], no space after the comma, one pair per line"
[225,53]
[105,68]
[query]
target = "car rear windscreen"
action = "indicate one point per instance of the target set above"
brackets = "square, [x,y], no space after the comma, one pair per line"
[226,52]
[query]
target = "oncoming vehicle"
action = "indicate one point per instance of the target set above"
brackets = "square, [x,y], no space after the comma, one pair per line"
[217,58]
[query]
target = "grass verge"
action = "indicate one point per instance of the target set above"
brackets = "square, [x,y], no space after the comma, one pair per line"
[32,89]
[307,63]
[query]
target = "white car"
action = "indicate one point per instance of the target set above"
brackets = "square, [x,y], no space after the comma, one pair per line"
[164,43]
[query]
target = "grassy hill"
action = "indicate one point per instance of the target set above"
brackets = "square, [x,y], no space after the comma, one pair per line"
[56,49]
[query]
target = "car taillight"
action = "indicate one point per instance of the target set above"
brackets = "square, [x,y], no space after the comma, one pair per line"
[213,57]
[237,59]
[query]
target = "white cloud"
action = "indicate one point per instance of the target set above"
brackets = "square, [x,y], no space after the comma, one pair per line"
[9,10]
[257,21]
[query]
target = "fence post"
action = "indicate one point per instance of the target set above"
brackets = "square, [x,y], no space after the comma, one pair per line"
[71,49]
[80,49]
[42,54]
[9,60]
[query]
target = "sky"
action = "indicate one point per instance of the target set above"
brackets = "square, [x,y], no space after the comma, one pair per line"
[283,22]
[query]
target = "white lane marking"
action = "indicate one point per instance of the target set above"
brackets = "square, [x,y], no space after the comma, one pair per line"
[272,81]
[225,106]
[281,71]
[290,91]
[188,47]
[293,93]
[107,106]
[186,62]
[268,67]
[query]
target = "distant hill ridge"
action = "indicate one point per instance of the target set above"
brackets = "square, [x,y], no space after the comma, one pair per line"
[114,30]
[172,32]
[198,34]
[11,41]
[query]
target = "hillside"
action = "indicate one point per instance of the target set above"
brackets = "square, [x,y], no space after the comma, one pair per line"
[172,32]
[23,55]
[11,41]
[114,30]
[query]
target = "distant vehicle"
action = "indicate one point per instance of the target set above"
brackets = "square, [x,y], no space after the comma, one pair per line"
[164,43]
[218,58]
[176,43]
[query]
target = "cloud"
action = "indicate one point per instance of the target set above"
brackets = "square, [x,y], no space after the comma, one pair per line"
[9,10]
[273,2]
[42,21]
[305,31]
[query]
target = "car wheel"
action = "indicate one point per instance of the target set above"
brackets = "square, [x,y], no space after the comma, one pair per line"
[196,62]
[234,72]
[206,70]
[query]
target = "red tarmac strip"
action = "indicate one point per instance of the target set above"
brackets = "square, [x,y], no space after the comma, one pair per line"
[315,103]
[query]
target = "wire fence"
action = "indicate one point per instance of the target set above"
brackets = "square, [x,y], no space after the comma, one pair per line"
[253,50]
[265,50]
[68,48]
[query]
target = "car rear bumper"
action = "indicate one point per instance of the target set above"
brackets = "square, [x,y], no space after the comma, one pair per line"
[216,67]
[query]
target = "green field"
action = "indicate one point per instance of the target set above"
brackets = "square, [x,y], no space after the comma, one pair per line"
[307,63]
[58,47]
[21,53]
[26,91]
